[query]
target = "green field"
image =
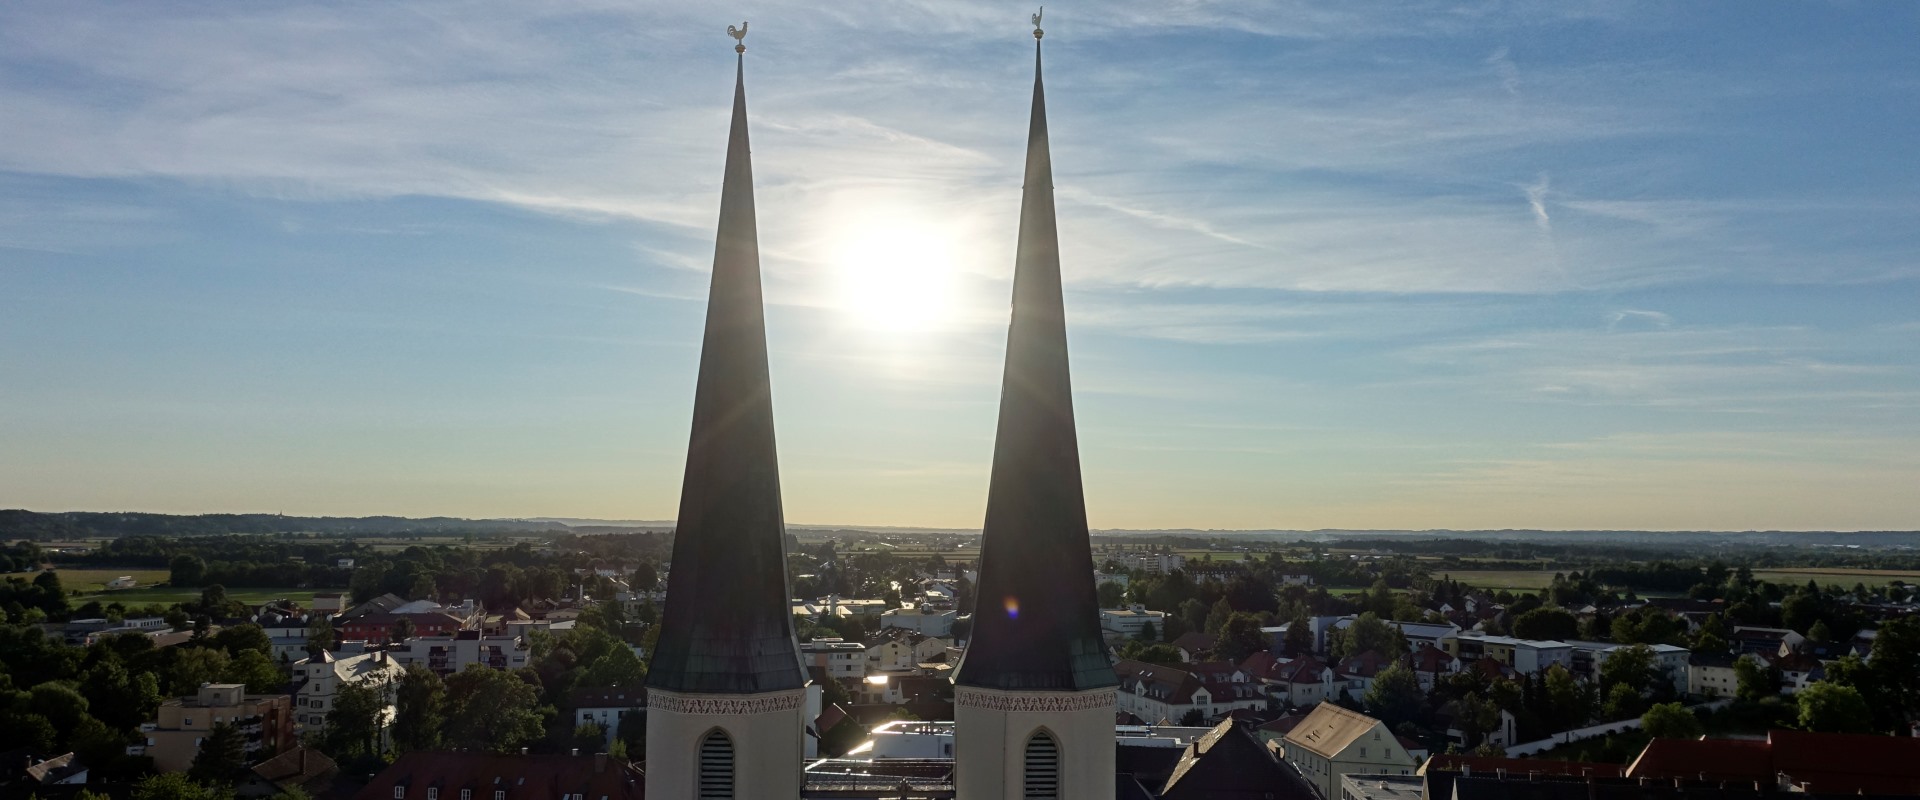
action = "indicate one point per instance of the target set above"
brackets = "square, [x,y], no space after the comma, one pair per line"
[94,581]
[92,585]
[166,595]
[1534,580]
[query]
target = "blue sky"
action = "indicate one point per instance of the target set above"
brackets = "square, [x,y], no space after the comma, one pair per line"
[1359,265]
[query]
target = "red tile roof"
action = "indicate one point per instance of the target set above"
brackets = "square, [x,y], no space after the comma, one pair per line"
[521,777]
[1827,763]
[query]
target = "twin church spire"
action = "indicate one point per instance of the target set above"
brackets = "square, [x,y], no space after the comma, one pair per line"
[728,693]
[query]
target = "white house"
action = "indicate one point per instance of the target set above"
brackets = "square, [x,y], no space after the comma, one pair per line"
[1333,742]
[607,707]
[317,681]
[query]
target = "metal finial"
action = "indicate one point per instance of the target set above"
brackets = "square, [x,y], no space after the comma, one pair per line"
[1037,33]
[739,35]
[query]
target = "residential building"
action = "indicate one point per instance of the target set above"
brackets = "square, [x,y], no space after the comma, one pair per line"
[1590,657]
[607,707]
[1228,763]
[317,682]
[1430,664]
[1797,671]
[899,648]
[923,619]
[1305,681]
[25,773]
[836,658]
[1333,742]
[265,723]
[1382,787]
[1194,645]
[438,775]
[1160,694]
[1754,639]
[427,618]
[1418,634]
[1525,656]
[1711,675]
[450,654]
[303,768]
[1355,674]
[1127,623]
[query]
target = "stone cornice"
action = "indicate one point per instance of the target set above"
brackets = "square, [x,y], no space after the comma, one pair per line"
[724,705]
[1035,701]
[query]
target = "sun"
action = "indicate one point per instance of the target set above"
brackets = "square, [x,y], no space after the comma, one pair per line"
[896,274]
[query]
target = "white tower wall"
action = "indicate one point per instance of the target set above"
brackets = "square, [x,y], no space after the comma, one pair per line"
[768,732]
[991,729]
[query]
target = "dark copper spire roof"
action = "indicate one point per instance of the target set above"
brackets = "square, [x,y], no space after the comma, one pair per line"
[1036,619]
[728,626]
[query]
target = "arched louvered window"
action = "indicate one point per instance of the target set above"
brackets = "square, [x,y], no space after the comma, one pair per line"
[1043,768]
[716,766]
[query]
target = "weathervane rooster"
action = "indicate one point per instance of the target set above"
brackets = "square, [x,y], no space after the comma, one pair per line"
[739,35]
[1037,33]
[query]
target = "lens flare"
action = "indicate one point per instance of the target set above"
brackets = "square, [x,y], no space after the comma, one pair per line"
[1013,608]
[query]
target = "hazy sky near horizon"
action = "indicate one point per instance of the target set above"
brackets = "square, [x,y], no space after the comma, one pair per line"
[1360,265]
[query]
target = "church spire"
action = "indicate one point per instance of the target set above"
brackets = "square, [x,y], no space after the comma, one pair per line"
[1036,623]
[728,624]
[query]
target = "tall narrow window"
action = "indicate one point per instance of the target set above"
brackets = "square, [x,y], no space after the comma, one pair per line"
[716,766]
[1043,768]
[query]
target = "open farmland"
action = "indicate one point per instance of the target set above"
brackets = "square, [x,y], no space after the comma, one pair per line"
[1534,580]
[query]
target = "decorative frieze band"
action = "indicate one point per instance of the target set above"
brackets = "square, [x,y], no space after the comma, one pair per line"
[1051,701]
[724,706]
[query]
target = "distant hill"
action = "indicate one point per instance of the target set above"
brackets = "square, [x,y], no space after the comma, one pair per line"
[23,524]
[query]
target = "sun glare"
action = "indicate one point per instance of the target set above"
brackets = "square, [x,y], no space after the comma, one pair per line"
[897,275]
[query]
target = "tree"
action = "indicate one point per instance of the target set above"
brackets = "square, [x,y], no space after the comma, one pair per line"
[193,666]
[632,731]
[1546,623]
[213,600]
[1671,721]
[1111,595]
[257,671]
[177,786]
[1622,703]
[1218,615]
[319,638]
[354,722]
[403,630]
[1299,639]
[1192,719]
[242,638]
[1240,637]
[187,570]
[1629,666]
[1147,634]
[491,710]
[1567,703]
[1820,632]
[60,704]
[420,711]
[1756,681]
[1395,695]
[1369,632]
[1165,655]
[221,758]
[1831,708]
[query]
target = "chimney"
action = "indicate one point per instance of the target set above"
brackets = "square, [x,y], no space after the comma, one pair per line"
[576,751]
[303,762]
